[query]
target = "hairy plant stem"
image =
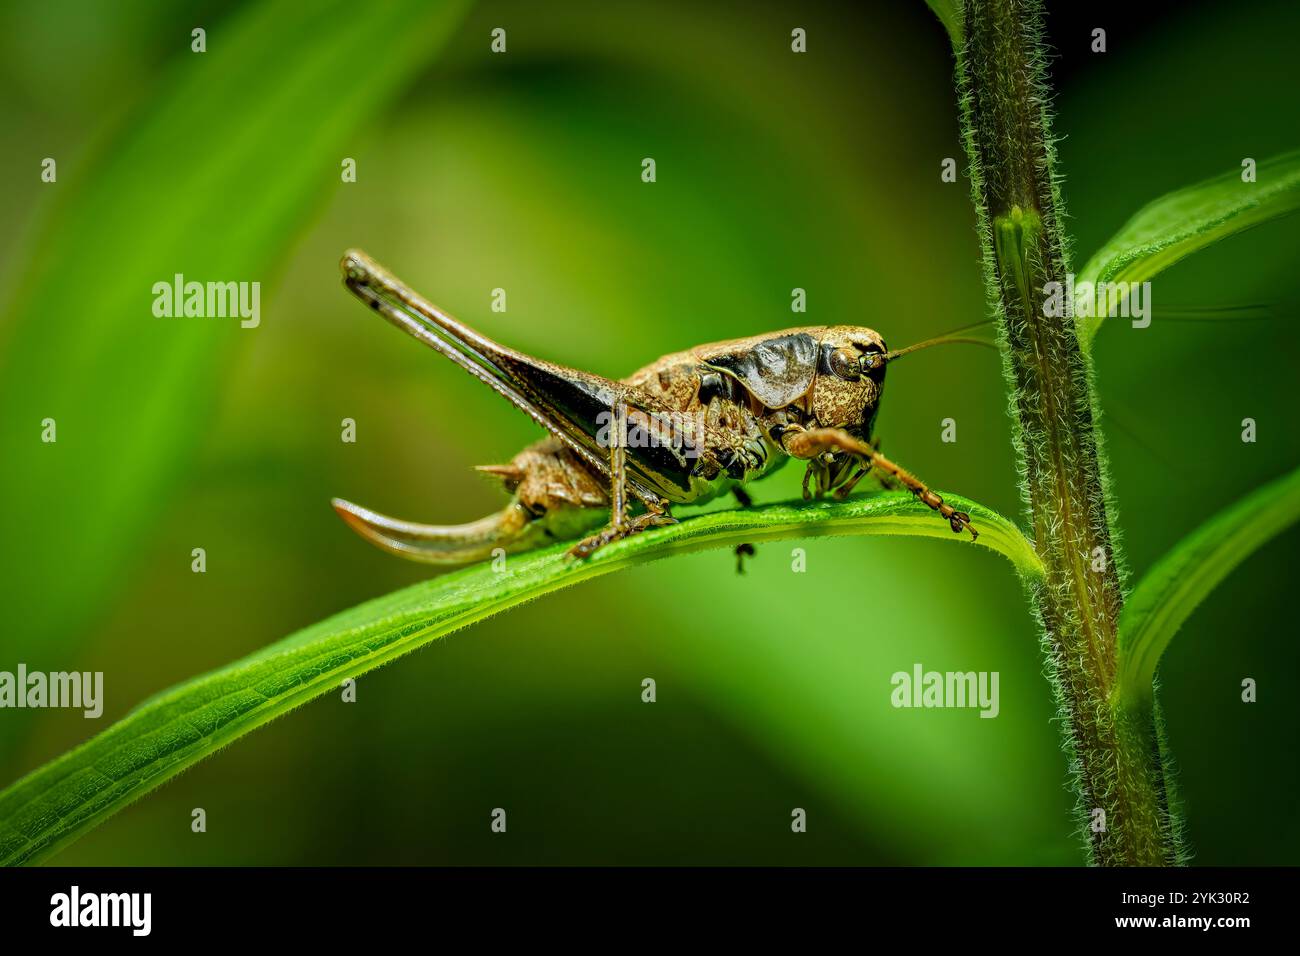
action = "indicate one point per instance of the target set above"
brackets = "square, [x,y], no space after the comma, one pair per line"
[1115,755]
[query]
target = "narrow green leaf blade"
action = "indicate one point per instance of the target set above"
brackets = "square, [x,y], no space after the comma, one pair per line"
[1172,589]
[1188,220]
[949,14]
[57,803]
[219,171]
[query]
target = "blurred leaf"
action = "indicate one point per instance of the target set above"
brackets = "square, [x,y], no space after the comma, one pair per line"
[949,13]
[1172,589]
[1188,220]
[212,180]
[57,803]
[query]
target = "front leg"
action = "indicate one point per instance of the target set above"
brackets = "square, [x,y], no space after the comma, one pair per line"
[809,444]
[882,479]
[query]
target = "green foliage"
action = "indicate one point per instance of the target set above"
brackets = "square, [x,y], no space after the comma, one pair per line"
[1174,226]
[247,135]
[1117,752]
[466,216]
[949,14]
[57,803]
[1171,590]
[1015,186]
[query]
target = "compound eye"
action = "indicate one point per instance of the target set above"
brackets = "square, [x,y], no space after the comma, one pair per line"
[844,363]
[873,358]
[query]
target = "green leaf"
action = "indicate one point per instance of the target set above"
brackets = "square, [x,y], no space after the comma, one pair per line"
[949,13]
[1188,220]
[1172,589]
[212,179]
[57,803]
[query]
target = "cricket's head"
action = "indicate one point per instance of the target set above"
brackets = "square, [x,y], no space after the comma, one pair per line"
[851,375]
[850,378]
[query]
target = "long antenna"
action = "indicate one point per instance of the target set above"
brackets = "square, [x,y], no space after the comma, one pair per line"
[939,340]
[948,338]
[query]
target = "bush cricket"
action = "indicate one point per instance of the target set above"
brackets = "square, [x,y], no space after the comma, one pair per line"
[683,430]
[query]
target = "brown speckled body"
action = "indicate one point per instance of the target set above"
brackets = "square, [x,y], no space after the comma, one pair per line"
[751,392]
[735,412]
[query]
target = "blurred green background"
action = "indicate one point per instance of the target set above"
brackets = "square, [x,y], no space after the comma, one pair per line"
[521,171]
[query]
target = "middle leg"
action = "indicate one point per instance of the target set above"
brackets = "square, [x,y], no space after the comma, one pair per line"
[620,525]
